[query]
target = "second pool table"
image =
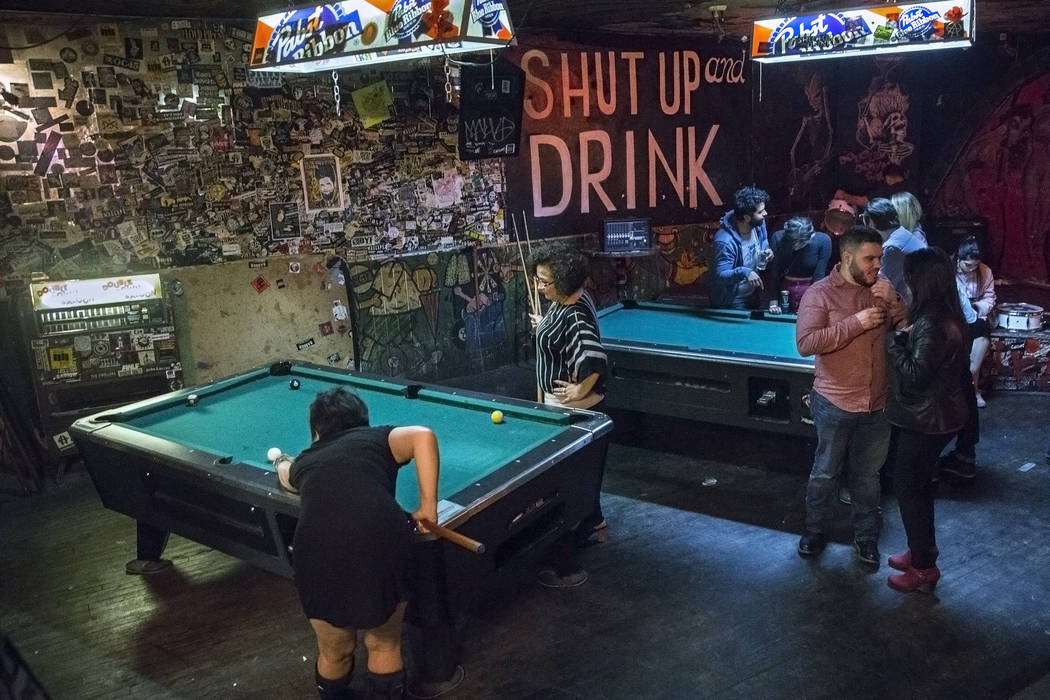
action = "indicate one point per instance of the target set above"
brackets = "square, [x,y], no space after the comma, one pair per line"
[724,366]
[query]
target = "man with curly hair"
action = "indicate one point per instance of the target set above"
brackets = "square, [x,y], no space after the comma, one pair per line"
[741,251]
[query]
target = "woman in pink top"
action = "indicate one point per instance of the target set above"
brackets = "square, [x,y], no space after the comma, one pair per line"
[979,283]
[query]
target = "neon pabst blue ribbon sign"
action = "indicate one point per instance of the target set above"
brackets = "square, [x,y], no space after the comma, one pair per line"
[487,13]
[406,19]
[812,33]
[312,32]
[917,22]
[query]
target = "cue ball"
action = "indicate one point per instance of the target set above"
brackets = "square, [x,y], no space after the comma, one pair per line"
[192,400]
[497,416]
[272,454]
[294,384]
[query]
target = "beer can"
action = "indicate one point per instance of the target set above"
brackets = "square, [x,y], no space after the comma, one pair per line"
[785,300]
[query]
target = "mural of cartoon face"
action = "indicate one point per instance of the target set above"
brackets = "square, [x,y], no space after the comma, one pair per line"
[885,116]
[882,122]
[1017,128]
[326,185]
[895,128]
[815,92]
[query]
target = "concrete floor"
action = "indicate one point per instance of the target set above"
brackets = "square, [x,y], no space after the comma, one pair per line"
[698,594]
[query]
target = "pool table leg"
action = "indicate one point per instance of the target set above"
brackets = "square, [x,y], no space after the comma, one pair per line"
[432,638]
[151,543]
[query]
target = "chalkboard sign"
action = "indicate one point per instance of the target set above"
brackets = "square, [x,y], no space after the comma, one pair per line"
[490,111]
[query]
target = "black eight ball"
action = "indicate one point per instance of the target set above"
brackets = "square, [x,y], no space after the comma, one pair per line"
[294,384]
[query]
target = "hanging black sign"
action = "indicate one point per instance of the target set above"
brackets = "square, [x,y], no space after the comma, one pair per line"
[490,111]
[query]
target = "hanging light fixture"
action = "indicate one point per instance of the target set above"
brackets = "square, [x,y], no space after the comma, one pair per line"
[356,33]
[865,31]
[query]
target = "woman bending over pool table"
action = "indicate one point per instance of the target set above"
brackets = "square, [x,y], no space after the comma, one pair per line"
[353,542]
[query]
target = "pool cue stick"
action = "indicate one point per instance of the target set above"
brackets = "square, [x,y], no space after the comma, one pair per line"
[454,537]
[524,266]
[536,305]
[533,294]
[528,242]
[525,225]
[477,282]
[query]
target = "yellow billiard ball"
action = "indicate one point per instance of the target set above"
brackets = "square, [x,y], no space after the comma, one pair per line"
[497,416]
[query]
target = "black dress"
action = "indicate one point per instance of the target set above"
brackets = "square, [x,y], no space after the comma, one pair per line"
[352,546]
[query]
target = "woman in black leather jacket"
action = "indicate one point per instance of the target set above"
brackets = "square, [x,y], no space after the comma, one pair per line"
[929,369]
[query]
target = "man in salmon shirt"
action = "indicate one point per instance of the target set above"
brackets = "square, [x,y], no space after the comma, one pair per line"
[843,320]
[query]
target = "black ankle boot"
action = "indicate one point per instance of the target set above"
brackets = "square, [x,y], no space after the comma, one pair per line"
[337,689]
[386,686]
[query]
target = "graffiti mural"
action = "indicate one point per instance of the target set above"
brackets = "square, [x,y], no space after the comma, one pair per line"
[1003,176]
[811,149]
[885,132]
[442,313]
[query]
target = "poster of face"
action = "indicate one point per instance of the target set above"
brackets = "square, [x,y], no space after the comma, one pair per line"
[322,183]
[284,220]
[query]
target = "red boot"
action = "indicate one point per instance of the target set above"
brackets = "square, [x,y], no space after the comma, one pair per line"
[902,562]
[912,580]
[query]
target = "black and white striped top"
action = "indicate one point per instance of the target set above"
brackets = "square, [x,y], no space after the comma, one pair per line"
[568,345]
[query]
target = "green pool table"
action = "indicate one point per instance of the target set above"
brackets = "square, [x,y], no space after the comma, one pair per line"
[724,366]
[201,471]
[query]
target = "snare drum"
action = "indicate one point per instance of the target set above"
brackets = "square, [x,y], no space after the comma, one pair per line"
[1019,317]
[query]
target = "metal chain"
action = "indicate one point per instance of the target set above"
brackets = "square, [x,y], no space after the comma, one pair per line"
[448,80]
[335,92]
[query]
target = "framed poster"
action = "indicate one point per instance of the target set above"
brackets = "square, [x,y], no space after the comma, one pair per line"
[322,183]
[284,220]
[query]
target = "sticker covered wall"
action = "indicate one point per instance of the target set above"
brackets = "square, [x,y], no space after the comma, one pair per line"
[138,146]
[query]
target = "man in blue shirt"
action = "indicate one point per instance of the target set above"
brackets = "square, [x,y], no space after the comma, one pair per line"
[741,251]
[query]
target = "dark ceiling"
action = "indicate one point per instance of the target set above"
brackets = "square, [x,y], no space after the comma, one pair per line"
[625,16]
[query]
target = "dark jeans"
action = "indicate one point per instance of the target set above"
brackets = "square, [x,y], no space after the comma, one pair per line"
[913,482]
[596,517]
[563,556]
[970,434]
[862,440]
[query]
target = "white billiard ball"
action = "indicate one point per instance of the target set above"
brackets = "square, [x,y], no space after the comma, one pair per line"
[273,453]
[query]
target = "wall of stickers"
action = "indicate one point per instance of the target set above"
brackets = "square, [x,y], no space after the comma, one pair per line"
[151,145]
[145,145]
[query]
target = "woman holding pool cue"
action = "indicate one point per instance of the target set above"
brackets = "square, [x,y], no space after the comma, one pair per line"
[571,366]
